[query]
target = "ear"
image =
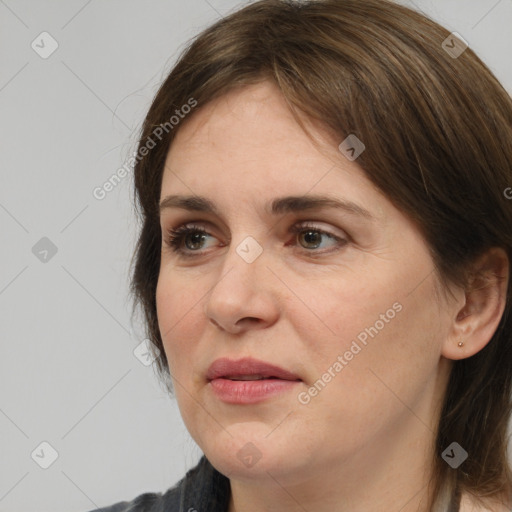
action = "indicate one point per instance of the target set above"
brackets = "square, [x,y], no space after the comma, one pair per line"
[485,298]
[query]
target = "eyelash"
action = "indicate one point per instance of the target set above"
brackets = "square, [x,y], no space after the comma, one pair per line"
[175,237]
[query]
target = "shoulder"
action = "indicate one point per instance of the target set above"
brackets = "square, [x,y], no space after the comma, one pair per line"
[148,502]
[469,504]
[203,486]
[144,503]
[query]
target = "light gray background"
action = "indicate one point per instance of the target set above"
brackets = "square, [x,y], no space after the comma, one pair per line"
[68,375]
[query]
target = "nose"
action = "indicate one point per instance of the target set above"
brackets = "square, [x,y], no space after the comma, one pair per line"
[245,295]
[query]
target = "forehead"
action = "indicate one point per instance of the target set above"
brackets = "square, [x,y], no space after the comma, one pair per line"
[253,117]
[247,142]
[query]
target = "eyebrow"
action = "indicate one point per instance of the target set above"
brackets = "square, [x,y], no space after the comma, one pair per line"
[278,206]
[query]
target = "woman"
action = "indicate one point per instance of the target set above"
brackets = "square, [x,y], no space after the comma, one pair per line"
[324,263]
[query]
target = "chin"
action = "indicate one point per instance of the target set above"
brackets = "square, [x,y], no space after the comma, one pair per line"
[249,452]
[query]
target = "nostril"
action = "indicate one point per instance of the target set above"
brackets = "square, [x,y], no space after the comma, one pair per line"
[248,320]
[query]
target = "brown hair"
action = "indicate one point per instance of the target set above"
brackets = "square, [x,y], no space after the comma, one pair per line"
[438,136]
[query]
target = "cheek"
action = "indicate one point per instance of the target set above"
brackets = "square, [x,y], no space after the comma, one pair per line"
[389,355]
[177,311]
[365,329]
[334,314]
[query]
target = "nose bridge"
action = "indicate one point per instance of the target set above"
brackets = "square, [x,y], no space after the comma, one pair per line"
[244,265]
[241,289]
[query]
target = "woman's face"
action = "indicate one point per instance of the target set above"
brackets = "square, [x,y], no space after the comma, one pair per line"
[346,305]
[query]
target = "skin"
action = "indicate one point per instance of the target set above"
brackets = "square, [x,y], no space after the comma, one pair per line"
[365,441]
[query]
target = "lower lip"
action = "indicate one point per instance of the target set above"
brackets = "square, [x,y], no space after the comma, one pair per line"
[249,391]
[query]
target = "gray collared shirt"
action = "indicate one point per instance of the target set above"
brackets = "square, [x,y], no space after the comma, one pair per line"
[202,489]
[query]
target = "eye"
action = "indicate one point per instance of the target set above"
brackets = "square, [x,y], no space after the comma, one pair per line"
[312,236]
[192,236]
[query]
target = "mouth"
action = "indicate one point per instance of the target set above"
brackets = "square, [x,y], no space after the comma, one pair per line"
[248,381]
[247,377]
[247,369]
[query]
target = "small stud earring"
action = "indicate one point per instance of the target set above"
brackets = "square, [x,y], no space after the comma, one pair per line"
[461,343]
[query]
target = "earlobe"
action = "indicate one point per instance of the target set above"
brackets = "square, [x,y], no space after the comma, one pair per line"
[485,297]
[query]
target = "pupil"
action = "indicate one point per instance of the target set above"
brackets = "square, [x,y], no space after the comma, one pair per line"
[197,237]
[311,237]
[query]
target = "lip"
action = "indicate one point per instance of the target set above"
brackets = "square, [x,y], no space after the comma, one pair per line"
[275,380]
[225,367]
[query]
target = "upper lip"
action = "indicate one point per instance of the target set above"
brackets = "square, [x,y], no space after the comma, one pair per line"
[225,367]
